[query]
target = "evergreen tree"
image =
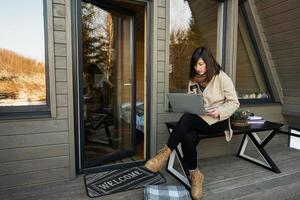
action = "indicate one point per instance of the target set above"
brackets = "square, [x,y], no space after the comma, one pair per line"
[93,43]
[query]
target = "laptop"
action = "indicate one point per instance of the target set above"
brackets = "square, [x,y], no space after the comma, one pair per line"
[187,103]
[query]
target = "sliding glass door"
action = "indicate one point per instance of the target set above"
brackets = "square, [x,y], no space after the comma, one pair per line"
[111,104]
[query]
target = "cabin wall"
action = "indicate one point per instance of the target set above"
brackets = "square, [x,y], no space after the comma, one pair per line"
[280,21]
[37,150]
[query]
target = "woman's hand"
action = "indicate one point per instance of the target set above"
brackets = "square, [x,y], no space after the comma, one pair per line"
[213,113]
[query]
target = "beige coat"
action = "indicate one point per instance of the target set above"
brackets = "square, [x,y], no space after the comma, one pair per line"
[220,93]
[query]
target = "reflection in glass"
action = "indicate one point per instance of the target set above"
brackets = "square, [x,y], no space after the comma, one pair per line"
[192,24]
[22,53]
[250,82]
[108,86]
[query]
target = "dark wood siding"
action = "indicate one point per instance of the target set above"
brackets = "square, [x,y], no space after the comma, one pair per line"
[280,20]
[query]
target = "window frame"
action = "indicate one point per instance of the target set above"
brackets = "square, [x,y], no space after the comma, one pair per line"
[243,14]
[36,111]
[228,57]
[77,62]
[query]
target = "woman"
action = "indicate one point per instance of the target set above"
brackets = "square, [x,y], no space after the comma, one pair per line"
[220,100]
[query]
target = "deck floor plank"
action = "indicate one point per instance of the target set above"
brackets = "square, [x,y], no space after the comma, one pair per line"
[226,177]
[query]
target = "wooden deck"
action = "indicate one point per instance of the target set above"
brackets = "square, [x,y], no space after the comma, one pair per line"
[226,177]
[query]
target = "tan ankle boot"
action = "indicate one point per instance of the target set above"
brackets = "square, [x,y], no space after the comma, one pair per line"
[158,161]
[197,179]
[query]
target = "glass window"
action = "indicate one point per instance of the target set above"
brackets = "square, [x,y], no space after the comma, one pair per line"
[22,54]
[192,24]
[250,80]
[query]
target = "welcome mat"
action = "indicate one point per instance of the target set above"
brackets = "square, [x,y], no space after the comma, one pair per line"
[108,182]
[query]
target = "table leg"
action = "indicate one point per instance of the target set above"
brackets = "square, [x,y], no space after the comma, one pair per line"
[182,177]
[259,146]
[177,153]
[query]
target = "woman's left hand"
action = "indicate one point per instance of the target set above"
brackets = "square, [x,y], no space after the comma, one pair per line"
[213,113]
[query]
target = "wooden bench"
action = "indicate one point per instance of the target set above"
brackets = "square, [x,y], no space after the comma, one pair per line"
[250,133]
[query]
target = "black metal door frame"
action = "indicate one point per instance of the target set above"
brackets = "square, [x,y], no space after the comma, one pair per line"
[82,167]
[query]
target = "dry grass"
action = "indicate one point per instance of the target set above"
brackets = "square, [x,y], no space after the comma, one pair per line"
[18,64]
[21,76]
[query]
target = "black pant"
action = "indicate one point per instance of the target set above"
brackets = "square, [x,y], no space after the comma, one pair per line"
[187,132]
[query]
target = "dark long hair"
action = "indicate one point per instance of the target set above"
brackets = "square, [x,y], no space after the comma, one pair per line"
[212,67]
